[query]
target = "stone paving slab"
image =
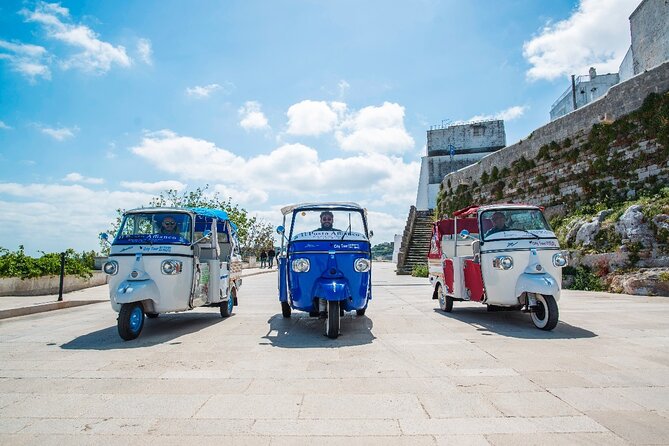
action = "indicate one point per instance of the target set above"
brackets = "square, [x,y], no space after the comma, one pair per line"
[404,374]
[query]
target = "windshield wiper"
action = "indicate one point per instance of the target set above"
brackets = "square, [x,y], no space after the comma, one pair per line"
[348,229]
[525,230]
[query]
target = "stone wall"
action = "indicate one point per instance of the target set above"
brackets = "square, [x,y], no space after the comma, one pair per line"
[15,286]
[621,100]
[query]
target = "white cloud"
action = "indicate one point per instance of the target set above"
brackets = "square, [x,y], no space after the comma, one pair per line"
[252,117]
[94,55]
[343,87]
[60,134]
[202,91]
[84,212]
[158,186]
[292,168]
[509,114]
[313,117]
[144,50]
[384,225]
[4,126]
[595,35]
[75,177]
[252,196]
[26,59]
[375,130]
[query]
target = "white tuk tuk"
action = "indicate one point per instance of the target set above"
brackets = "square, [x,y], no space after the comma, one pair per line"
[502,255]
[172,259]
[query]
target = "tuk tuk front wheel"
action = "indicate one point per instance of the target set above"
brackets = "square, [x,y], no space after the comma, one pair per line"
[333,320]
[285,309]
[545,315]
[130,320]
[445,302]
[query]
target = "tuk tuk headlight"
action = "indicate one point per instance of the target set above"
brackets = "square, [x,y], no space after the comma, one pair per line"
[362,265]
[560,259]
[110,267]
[301,265]
[502,262]
[171,267]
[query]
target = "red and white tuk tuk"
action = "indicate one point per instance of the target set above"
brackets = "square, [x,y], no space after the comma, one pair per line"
[502,255]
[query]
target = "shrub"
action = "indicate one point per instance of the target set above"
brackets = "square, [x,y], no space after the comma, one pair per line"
[18,264]
[419,271]
[584,279]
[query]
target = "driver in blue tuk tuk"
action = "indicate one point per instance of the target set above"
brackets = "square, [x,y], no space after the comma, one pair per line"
[327,219]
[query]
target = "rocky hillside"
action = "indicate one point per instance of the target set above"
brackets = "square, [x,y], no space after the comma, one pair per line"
[604,191]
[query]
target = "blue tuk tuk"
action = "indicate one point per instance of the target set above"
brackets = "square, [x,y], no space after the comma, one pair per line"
[325,265]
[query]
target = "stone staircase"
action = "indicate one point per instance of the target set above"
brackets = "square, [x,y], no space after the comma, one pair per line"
[415,241]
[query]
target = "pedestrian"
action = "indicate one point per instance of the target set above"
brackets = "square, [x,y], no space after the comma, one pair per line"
[270,256]
[263,258]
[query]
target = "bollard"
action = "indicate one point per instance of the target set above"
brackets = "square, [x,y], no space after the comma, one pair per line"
[62,276]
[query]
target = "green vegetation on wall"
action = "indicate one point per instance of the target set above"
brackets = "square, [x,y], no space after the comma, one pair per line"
[608,175]
[18,264]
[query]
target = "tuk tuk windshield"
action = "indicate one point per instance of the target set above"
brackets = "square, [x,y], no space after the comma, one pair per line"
[326,224]
[514,223]
[154,227]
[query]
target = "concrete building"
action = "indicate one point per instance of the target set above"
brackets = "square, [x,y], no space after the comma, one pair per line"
[450,148]
[582,91]
[649,30]
[649,34]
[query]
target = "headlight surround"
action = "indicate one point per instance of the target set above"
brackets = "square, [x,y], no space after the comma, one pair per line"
[503,262]
[171,267]
[560,259]
[301,265]
[362,265]
[110,267]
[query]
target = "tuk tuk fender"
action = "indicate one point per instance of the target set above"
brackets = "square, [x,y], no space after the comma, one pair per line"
[332,289]
[136,291]
[283,286]
[538,283]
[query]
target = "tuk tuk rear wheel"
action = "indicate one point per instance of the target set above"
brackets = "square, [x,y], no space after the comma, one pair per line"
[285,309]
[130,320]
[546,314]
[226,307]
[445,302]
[333,320]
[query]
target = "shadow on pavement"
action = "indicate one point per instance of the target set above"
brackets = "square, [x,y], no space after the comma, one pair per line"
[156,331]
[513,324]
[303,331]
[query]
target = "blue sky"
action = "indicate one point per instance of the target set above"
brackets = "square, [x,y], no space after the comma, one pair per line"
[105,104]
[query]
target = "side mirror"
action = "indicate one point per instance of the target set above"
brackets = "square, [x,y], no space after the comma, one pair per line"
[464,233]
[105,237]
[371,234]
[280,229]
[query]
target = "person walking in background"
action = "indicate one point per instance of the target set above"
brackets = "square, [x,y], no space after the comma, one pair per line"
[270,257]
[263,258]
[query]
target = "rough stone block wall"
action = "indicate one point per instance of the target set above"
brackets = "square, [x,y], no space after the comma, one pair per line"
[573,128]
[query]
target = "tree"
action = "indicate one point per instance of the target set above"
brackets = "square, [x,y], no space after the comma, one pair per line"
[251,232]
[383,251]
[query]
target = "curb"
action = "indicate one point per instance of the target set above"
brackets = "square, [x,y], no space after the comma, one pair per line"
[41,308]
[50,306]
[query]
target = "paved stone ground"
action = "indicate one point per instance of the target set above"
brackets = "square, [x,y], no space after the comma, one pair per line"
[405,374]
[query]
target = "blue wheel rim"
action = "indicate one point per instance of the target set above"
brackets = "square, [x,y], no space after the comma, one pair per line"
[231,303]
[136,317]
